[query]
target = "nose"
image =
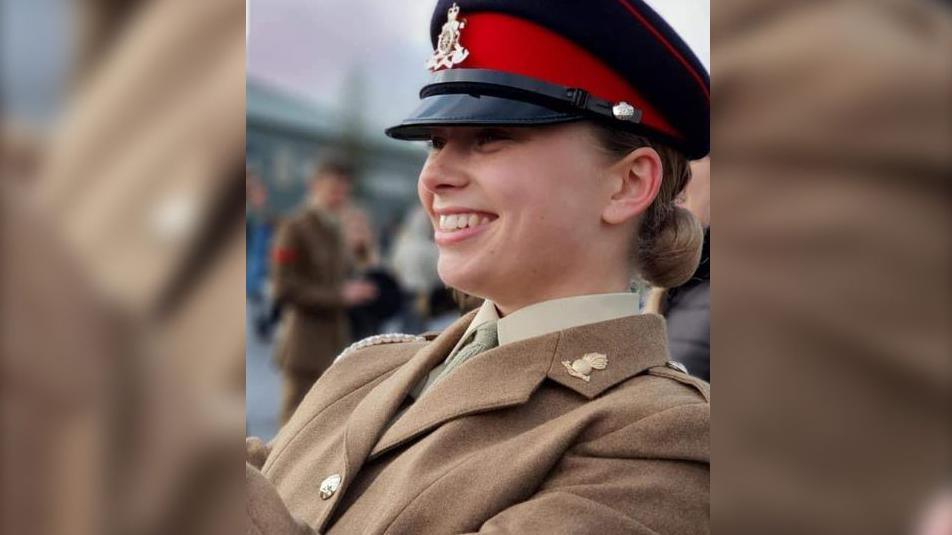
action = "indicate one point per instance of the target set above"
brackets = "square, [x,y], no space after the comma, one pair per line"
[442,172]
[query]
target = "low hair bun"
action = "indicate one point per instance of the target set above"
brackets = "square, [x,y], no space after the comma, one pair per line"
[671,256]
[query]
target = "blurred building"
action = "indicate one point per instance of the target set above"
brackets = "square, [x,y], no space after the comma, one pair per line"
[287,136]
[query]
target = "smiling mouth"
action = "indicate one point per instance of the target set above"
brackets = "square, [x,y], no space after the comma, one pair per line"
[455,222]
[458,227]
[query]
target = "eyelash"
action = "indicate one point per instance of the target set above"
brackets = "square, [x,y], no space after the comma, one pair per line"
[488,136]
[481,138]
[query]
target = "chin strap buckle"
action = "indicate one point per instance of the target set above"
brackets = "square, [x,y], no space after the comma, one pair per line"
[578,96]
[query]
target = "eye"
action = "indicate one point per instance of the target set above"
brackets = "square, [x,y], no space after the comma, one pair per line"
[492,135]
[435,143]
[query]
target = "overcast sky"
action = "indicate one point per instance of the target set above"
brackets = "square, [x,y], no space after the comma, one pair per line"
[312,47]
[34,53]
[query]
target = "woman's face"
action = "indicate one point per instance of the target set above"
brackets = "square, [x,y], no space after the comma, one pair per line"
[516,211]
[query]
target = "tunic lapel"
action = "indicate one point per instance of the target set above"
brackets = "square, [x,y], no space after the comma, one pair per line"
[501,377]
[372,414]
[508,375]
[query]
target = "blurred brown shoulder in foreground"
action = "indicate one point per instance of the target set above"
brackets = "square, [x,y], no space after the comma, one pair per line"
[832,138]
[122,297]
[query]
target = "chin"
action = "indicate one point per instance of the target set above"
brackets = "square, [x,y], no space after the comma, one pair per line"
[462,275]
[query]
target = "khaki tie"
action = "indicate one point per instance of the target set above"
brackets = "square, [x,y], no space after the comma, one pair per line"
[484,339]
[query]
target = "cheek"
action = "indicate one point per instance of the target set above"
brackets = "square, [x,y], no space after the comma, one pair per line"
[557,204]
[541,225]
[424,195]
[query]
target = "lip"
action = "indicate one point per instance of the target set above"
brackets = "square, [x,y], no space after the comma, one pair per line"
[442,237]
[449,238]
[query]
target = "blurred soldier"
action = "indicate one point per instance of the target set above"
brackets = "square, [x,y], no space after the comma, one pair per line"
[311,266]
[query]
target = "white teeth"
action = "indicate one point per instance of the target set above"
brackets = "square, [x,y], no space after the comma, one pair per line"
[461,221]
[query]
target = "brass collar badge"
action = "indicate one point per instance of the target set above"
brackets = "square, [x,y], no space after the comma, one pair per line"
[582,367]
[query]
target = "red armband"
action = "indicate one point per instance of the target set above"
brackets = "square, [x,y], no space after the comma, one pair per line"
[284,256]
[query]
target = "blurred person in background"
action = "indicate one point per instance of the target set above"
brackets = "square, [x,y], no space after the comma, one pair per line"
[313,262]
[367,318]
[259,231]
[687,308]
[553,407]
[414,261]
[359,238]
[258,235]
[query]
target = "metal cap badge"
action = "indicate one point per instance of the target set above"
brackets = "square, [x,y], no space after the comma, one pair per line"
[449,51]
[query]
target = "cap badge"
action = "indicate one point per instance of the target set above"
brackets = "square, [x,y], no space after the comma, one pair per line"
[448,50]
[582,367]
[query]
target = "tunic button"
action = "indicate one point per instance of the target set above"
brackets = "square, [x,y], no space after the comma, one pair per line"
[329,486]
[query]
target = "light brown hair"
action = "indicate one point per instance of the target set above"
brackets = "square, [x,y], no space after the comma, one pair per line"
[666,248]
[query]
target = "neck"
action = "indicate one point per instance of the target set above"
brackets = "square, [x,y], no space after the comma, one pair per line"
[597,271]
[595,285]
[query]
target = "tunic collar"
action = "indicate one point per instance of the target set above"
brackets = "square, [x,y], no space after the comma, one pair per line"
[554,315]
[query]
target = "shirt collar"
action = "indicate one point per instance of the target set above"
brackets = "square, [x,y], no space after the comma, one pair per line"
[555,315]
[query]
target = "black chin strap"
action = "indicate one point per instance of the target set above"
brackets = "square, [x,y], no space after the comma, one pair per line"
[514,86]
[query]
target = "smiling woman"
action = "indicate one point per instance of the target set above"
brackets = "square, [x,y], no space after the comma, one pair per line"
[529,208]
[555,158]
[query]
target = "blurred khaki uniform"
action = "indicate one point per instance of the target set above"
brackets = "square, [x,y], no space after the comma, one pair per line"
[122,290]
[310,267]
[831,135]
[509,442]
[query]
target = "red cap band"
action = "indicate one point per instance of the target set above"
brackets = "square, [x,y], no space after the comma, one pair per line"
[510,44]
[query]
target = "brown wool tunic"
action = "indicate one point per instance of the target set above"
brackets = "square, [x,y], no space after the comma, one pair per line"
[510,442]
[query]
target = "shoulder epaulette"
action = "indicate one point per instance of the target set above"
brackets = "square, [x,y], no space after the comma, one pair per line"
[430,335]
[678,372]
[378,339]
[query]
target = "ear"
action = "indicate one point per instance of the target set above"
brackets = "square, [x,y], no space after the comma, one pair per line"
[635,181]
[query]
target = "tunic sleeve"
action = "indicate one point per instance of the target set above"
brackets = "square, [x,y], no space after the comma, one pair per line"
[265,511]
[650,477]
